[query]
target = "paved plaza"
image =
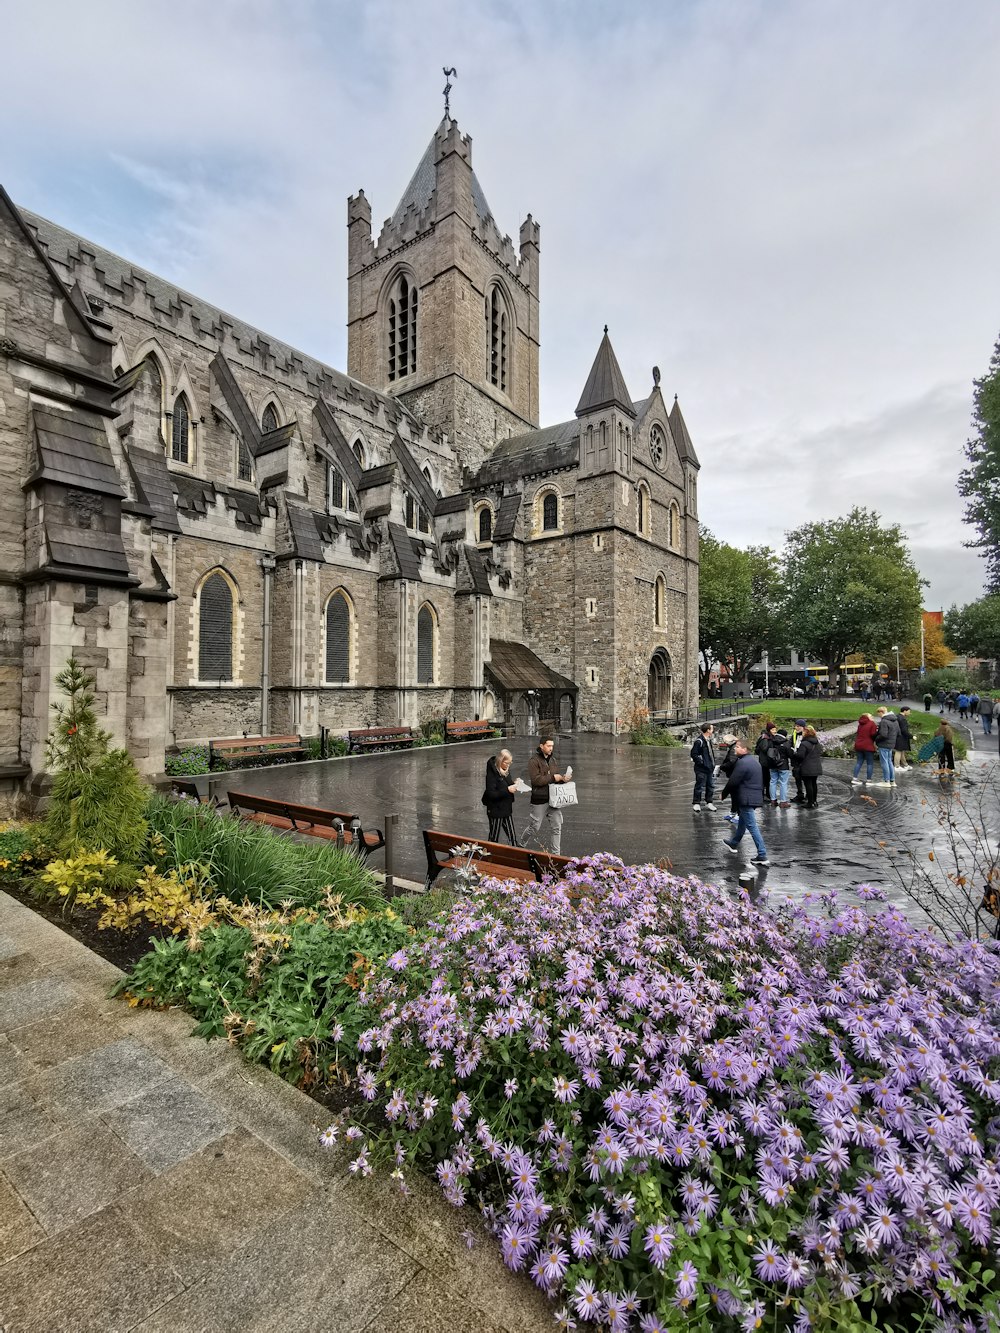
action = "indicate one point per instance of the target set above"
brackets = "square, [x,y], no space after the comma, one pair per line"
[635,801]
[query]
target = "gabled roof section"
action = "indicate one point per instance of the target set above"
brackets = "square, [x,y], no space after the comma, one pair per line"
[477,571]
[415,479]
[87,325]
[73,450]
[605,385]
[518,668]
[89,549]
[417,194]
[235,401]
[336,442]
[276,439]
[305,536]
[682,439]
[510,507]
[406,551]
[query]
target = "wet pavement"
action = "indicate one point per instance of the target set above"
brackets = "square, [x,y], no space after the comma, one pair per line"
[635,801]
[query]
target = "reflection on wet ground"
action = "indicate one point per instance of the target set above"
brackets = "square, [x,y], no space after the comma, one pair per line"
[635,801]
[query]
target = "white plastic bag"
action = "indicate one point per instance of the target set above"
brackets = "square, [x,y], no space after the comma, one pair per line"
[562,794]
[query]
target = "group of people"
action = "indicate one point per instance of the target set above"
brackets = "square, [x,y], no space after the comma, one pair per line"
[887,735]
[968,704]
[876,689]
[753,780]
[502,787]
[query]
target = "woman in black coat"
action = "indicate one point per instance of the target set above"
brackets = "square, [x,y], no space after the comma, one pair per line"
[809,764]
[499,797]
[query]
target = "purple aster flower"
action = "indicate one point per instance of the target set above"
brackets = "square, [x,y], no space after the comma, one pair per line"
[659,1243]
[686,1280]
[581,1242]
[556,1261]
[516,1244]
[510,1088]
[587,1300]
[652,1323]
[769,1262]
[565,1088]
[617,1241]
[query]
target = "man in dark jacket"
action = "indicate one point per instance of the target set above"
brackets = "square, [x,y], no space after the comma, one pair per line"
[763,749]
[703,758]
[798,731]
[745,789]
[542,772]
[903,741]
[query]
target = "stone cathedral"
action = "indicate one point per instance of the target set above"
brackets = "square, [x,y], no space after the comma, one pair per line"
[235,538]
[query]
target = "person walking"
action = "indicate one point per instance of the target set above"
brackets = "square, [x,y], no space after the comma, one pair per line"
[928,701]
[885,742]
[973,704]
[810,754]
[798,731]
[986,714]
[499,797]
[703,758]
[963,705]
[901,755]
[745,790]
[864,748]
[541,774]
[942,698]
[780,761]
[946,758]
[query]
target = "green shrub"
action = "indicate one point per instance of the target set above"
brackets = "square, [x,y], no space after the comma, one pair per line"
[246,860]
[20,851]
[652,735]
[416,909]
[188,763]
[284,986]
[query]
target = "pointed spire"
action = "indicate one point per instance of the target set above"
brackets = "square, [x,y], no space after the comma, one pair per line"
[418,193]
[679,430]
[605,385]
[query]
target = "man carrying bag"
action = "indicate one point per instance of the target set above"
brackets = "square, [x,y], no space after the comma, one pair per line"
[542,775]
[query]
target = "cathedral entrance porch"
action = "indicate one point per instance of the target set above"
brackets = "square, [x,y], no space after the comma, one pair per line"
[658,682]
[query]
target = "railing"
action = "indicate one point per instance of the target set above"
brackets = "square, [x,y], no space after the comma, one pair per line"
[682,717]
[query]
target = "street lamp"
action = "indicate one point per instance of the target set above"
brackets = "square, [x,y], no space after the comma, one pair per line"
[767,690]
[895,649]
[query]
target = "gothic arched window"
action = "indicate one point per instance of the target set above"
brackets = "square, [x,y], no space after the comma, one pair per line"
[550,512]
[660,602]
[338,639]
[402,328]
[426,633]
[215,628]
[644,510]
[244,460]
[675,526]
[485,524]
[358,450]
[180,431]
[497,338]
[269,421]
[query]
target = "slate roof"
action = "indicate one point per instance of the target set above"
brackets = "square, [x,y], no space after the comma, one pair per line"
[73,449]
[275,439]
[518,668]
[605,385]
[156,486]
[418,193]
[418,483]
[406,551]
[376,476]
[58,246]
[477,571]
[86,548]
[336,442]
[451,504]
[503,528]
[305,536]
[237,404]
[535,451]
[193,494]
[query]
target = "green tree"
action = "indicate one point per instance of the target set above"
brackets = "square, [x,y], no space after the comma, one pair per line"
[739,596]
[979,483]
[76,744]
[851,587]
[975,629]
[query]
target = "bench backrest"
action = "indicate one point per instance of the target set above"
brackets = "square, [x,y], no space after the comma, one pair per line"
[253,742]
[438,844]
[305,814]
[375,732]
[460,728]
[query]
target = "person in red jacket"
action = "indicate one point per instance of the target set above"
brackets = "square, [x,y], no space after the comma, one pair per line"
[864,747]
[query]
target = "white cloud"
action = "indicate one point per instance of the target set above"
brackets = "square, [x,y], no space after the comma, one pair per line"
[789,206]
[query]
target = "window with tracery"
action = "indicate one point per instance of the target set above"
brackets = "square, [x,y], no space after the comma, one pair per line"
[215,629]
[497,337]
[180,431]
[244,460]
[269,421]
[338,640]
[402,328]
[426,629]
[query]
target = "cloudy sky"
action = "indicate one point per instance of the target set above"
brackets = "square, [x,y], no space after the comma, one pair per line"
[789,206]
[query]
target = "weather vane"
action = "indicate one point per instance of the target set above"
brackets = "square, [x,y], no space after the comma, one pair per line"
[447,90]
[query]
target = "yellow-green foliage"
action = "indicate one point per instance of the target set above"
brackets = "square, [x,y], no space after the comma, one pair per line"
[80,879]
[178,900]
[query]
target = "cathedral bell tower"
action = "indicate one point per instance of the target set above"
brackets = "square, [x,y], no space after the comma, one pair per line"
[441,309]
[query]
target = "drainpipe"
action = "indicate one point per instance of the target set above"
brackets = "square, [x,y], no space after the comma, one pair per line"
[268,565]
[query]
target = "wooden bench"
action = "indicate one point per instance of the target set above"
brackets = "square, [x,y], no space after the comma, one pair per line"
[226,752]
[502,861]
[188,788]
[334,825]
[379,738]
[468,731]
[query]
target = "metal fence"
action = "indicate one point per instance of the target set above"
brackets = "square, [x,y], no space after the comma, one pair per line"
[683,717]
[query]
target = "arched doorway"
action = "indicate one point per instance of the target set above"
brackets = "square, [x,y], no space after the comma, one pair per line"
[566,712]
[658,682]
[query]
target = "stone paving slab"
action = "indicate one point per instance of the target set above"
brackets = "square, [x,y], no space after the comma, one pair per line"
[212,1204]
[318,1267]
[74,1174]
[169,1123]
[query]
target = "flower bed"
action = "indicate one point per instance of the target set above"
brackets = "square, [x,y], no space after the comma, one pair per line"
[675,1109]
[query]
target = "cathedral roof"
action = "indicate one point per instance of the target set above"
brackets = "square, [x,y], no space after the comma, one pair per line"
[605,385]
[418,193]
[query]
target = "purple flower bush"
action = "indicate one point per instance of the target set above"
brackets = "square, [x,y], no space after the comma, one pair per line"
[673,1107]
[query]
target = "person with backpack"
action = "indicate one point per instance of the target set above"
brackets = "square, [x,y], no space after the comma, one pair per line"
[973,704]
[928,700]
[886,735]
[963,705]
[703,758]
